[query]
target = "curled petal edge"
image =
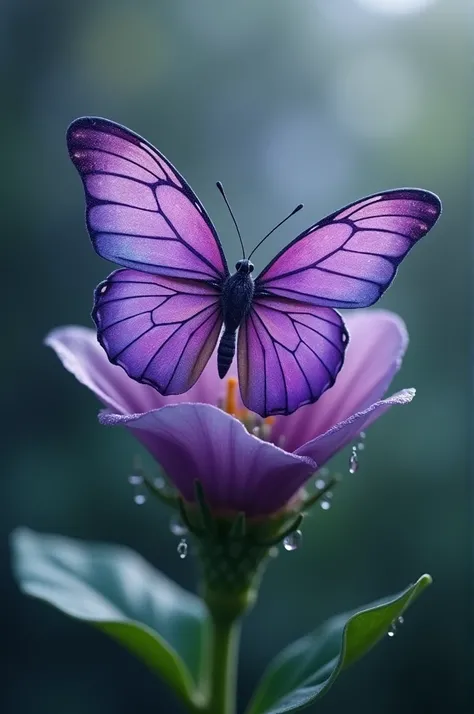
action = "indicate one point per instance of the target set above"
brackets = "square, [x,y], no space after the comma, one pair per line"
[324,446]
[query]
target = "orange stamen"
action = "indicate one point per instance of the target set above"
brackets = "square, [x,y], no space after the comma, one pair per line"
[230,405]
[269,420]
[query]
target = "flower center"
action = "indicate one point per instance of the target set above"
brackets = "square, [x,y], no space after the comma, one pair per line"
[255,424]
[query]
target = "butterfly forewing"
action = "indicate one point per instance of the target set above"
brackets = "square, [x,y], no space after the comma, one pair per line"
[140,212]
[349,259]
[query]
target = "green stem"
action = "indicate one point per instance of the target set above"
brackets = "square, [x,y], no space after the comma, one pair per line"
[224,643]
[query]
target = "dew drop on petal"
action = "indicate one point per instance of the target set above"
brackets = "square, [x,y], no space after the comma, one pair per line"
[159,482]
[401,620]
[325,505]
[182,548]
[273,552]
[353,461]
[320,484]
[139,499]
[177,527]
[293,541]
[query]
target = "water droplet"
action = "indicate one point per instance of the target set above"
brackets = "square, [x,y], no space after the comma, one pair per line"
[324,472]
[103,289]
[361,444]
[159,482]
[177,527]
[326,502]
[393,627]
[135,480]
[353,461]
[320,484]
[293,541]
[274,552]
[182,548]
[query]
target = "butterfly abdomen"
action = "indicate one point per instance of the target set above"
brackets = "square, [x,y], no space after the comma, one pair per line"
[236,300]
[225,352]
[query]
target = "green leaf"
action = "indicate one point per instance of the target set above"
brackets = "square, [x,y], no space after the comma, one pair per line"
[114,589]
[305,670]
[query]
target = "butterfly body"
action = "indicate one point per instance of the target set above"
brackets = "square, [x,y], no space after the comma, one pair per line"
[236,301]
[173,301]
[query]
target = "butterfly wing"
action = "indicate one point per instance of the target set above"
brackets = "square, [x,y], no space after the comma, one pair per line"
[292,343]
[161,330]
[140,212]
[349,259]
[289,353]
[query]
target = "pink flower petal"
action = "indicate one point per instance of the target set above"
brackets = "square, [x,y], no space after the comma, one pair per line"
[81,354]
[238,471]
[377,343]
[323,447]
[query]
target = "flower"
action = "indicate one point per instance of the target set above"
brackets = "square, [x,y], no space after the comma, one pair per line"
[245,464]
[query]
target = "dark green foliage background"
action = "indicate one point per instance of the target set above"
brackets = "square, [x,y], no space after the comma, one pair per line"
[321,102]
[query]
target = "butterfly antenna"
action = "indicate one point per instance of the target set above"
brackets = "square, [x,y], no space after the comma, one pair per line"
[222,192]
[298,208]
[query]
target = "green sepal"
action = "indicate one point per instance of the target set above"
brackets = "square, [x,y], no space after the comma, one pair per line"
[232,552]
[307,668]
[114,589]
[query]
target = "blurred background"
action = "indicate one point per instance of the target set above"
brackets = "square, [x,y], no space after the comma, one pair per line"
[315,101]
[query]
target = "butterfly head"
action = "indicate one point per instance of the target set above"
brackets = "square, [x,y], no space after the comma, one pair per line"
[244,266]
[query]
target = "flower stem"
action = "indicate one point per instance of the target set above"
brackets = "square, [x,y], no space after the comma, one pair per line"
[224,642]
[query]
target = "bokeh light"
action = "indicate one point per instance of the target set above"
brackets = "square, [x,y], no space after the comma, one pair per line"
[396,7]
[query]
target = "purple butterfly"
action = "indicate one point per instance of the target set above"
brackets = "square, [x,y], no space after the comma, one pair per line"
[161,316]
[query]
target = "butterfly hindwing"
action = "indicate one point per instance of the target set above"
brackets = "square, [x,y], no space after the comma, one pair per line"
[349,259]
[289,353]
[161,330]
[140,211]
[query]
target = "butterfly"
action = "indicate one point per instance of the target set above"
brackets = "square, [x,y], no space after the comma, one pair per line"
[162,314]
